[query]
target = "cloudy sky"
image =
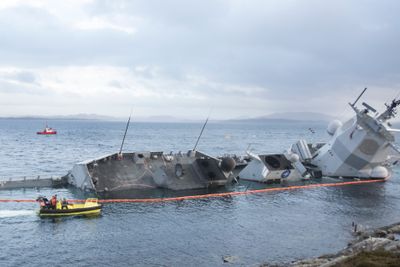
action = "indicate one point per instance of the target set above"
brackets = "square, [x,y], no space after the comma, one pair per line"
[180,58]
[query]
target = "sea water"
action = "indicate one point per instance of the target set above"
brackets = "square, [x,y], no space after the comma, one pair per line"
[270,227]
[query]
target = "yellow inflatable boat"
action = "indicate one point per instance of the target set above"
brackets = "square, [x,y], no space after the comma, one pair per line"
[91,207]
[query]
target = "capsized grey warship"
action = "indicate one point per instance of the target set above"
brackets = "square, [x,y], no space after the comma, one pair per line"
[149,170]
[363,147]
[138,171]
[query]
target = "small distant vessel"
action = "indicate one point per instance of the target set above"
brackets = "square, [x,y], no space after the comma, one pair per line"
[91,207]
[47,131]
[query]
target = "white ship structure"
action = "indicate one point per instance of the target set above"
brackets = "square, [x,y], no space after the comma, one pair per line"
[363,147]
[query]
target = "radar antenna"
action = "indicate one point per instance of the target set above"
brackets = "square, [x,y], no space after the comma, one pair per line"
[391,110]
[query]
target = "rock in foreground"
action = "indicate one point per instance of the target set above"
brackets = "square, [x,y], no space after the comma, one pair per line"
[380,247]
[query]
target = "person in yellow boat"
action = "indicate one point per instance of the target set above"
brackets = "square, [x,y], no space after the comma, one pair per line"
[53,202]
[64,203]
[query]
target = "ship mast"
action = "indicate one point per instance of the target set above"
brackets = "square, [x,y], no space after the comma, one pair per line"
[201,133]
[391,111]
[202,130]
[126,130]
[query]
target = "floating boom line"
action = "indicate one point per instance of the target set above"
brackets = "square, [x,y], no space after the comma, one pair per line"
[215,195]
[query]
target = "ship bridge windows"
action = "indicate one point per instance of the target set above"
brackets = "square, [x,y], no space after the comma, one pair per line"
[273,162]
[276,162]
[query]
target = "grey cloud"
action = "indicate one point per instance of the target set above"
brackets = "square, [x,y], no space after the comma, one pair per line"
[11,88]
[115,84]
[25,76]
[319,49]
[307,42]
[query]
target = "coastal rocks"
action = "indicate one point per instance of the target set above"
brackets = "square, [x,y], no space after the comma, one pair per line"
[370,244]
[312,262]
[230,259]
[395,229]
[378,245]
[381,233]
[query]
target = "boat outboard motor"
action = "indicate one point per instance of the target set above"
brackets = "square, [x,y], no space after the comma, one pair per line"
[44,200]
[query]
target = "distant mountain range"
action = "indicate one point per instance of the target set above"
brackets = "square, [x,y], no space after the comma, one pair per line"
[96,117]
[284,116]
[301,116]
[289,116]
[67,117]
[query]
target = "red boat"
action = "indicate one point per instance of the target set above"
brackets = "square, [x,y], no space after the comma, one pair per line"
[47,131]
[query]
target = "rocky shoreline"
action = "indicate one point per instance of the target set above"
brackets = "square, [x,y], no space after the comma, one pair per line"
[379,247]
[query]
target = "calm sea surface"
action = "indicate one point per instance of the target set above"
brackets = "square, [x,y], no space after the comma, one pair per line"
[271,227]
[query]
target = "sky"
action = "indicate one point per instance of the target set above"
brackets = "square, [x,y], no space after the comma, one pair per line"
[181,58]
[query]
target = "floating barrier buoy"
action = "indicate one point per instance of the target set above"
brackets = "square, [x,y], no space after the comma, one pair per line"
[215,195]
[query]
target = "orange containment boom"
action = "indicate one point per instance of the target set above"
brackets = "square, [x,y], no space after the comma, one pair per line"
[215,195]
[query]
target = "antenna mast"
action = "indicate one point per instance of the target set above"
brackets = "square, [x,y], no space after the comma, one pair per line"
[358,98]
[201,133]
[126,130]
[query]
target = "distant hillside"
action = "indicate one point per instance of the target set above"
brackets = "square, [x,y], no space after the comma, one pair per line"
[275,117]
[67,117]
[300,116]
[96,117]
[289,117]
[162,119]
[86,117]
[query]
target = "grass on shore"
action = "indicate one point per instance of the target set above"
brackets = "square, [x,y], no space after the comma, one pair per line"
[379,258]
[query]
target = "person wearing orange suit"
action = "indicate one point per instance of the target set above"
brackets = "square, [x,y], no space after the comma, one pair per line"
[53,201]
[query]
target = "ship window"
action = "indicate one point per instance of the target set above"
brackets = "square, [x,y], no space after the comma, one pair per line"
[273,162]
[277,162]
[211,175]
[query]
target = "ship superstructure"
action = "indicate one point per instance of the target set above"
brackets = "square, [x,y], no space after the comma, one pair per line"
[362,147]
[137,171]
[149,170]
